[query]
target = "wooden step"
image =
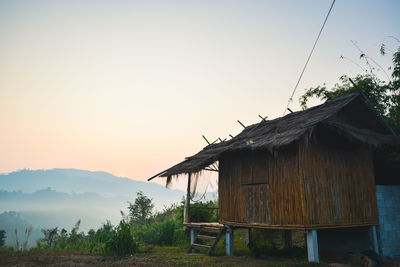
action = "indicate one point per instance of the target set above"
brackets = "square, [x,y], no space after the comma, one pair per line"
[200,246]
[211,229]
[206,237]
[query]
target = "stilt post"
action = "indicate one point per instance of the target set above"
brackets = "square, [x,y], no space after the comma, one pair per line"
[192,235]
[248,237]
[312,246]
[186,214]
[374,239]
[229,241]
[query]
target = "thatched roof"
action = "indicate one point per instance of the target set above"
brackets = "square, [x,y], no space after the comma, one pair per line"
[272,134]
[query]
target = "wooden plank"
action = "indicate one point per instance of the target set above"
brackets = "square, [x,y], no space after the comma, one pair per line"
[210,229]
[198,225]
[298,227]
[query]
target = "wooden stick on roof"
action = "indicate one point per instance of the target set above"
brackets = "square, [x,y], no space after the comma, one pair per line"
[263,118]
[241,124]
[205,139]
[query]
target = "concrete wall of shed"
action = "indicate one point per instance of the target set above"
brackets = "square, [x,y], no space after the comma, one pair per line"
[388,200]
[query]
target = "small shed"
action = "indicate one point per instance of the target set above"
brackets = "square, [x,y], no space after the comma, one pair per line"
[309,170]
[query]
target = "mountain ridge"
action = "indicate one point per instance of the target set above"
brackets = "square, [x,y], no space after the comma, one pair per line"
[73,180]
[84,181]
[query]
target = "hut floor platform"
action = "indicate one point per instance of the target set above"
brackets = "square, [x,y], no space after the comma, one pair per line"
[198,225]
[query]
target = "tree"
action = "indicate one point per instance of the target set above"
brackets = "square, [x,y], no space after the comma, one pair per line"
[142,210]
[383,96]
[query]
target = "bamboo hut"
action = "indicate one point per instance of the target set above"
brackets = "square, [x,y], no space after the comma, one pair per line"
[309,170]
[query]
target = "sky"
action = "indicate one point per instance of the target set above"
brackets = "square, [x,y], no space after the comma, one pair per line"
[130,87]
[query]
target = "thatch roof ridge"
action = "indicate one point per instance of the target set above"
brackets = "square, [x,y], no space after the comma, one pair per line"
[271,134]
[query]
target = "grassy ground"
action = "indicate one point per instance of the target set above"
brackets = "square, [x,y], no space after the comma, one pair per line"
[158,256]
[171,256]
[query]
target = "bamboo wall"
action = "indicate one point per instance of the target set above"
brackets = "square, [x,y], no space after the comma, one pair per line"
[339,184]
[259,189]
[306,185]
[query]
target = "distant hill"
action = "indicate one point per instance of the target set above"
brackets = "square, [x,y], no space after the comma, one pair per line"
[82,181]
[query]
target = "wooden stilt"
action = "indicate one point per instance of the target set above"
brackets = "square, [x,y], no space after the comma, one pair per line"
[186,214]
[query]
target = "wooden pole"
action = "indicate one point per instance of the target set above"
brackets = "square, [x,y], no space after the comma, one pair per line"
[186,216]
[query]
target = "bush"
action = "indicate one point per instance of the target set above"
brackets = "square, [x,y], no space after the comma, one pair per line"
[165,228]
[117,241]
[122,242]
[204,212]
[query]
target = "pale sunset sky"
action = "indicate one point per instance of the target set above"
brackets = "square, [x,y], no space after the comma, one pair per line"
[129,87]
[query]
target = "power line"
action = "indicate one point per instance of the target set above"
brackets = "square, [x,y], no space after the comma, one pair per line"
[309,56]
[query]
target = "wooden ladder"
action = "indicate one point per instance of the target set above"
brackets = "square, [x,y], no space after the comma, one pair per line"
[207,233]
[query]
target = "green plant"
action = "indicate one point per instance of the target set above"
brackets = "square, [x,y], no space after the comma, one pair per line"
[141,211]
[122,242]
[204,211]
[75,240]
[49,236]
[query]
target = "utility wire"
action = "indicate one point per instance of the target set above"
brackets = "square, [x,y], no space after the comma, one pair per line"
[308,59]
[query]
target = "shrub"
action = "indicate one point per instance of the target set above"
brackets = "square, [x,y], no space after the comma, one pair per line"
[50,235]
[167,230]
[204,212]
[122,242]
